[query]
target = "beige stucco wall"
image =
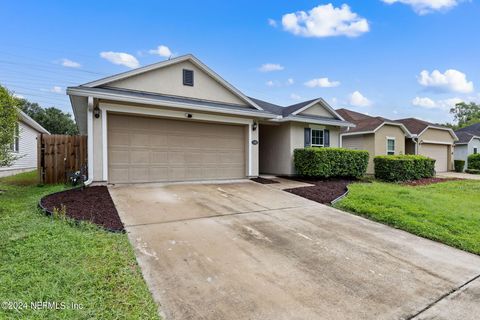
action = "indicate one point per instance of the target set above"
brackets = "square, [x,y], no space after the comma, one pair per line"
[392,132]
[275,153]
[440,136]
[169,80]
[317,110]
[278,142]
[362,142]
[98,138]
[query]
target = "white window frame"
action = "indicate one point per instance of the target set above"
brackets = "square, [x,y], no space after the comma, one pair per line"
[311,137]
[394,146]
[16,139]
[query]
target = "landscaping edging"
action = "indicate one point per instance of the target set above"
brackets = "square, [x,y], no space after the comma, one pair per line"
[340,197]
[78,216]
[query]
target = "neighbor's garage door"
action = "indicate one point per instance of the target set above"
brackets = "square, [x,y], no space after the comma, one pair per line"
[439,153]
[155,150]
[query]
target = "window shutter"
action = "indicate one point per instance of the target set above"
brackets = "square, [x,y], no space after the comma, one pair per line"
[326,138]
[188,77]
[308,137]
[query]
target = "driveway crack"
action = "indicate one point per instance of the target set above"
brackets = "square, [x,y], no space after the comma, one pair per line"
[454,290]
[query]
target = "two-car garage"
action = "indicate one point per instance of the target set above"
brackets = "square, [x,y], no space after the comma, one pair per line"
[148,149]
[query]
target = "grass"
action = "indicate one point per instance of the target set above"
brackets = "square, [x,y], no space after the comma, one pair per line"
[55,260]
[448,212]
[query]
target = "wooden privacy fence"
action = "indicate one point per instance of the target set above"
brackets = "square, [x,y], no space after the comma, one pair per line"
[59,155]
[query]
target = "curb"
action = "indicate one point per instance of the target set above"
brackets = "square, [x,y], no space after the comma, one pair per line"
[77,221]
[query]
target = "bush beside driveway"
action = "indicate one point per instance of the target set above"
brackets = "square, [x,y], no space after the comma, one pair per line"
[45,259]
[447,212]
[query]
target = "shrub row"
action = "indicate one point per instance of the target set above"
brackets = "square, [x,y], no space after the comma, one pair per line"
[474,161]
[403,167]
[330,162]
[459,165]
[472,171]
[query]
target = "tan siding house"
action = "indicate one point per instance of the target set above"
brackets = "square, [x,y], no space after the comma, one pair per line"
[178,120]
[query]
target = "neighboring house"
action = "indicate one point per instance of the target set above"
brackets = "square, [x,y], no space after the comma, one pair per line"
[430,140]
[468,142]
[178,120]
[377,135]
[24,146]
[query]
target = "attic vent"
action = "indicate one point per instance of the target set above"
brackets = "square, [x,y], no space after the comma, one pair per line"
[188,77]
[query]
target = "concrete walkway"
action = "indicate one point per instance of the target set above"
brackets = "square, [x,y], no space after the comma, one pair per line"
[459,175]
[249,251]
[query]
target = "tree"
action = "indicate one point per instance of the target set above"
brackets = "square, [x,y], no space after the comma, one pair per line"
[8,126]
[54,120]
[466,113]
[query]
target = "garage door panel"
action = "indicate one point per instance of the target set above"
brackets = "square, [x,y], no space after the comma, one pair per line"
[153,149]
[439,153]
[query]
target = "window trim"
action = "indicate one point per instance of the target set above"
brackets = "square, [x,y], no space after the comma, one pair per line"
[15,147]
[394,146]
[475,150]
[311,137]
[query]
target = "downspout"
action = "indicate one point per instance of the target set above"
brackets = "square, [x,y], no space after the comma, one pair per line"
[90,140]
[416,144]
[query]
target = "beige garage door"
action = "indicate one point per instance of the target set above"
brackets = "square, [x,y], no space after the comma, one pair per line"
[155,150]
[438,152]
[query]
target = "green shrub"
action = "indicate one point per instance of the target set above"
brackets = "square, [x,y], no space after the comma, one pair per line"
[472,171]
[403,167]
[330,162]
[474,161]
[459,165]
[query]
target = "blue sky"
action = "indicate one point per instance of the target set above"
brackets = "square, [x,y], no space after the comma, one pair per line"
[396,58]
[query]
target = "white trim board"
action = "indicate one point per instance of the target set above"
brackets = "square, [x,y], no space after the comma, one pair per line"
[324,104]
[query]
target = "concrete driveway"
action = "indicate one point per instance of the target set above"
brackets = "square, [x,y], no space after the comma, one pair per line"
[248,251]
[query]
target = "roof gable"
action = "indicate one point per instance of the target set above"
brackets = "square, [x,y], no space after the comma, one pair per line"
[166,78]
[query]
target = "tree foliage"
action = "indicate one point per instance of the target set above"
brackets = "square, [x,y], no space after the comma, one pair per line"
[466,114]
[8,124]
[54,120]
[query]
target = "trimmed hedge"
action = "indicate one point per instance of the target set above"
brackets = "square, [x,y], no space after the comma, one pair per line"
[403,167]
[472,171]
[459,165]
[330,162]
[474,161]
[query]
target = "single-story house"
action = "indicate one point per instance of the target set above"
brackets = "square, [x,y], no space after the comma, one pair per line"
[24,146]
[430,140]
[377,135]
[178,120]
[468,142]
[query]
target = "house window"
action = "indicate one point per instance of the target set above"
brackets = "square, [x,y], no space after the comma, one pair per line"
[16,139]
[317,138]
[475,150]
[188,77]
[390,146]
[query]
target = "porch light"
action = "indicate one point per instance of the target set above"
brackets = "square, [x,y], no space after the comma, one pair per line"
[254,126]
[96,112]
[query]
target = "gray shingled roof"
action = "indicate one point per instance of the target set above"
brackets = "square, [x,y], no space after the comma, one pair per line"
[279,110]
[466,134]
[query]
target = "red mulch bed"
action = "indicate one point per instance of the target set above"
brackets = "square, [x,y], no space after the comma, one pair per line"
[263,180]
[92,204]
[323,191]
[427,181]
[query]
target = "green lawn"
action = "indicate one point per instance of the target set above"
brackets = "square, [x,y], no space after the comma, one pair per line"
[54,260]
[447,212]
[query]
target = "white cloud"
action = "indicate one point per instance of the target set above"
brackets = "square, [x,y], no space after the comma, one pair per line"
[325,21]
[162,51]
[449,81]
[268,67]
[120,58]
[18,96]
[427,103]
[70,64]
[272,23]
[270,83]
[321,83]
[423,7]
[295,96]
[290,81]
[56,89]
[358,100]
